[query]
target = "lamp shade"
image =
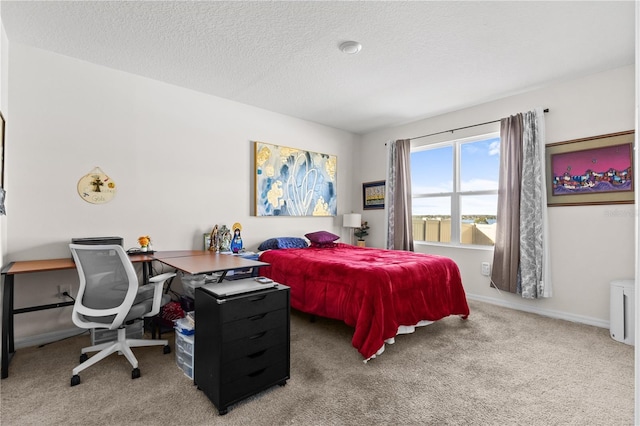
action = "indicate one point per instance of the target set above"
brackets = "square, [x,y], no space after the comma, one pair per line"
[352,220]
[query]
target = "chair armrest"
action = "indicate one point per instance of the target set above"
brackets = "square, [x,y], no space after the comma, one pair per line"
[162,277]
[158,282]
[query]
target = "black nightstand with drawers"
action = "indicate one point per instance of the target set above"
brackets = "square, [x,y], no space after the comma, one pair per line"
[242,342]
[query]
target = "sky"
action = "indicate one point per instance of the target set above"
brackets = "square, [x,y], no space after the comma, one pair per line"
[432,172]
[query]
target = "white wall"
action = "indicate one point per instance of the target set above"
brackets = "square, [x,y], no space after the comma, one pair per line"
[3,107]
[590,245]
[182,161]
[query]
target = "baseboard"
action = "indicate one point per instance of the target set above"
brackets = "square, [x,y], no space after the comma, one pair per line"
[540,311]
[54,336]
[42,339]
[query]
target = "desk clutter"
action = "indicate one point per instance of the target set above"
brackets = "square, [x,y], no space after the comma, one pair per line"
[190,282]
[186,325]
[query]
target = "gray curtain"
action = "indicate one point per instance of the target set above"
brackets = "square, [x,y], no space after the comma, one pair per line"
[534,259]
[521,253]
[398,196]
[506,253]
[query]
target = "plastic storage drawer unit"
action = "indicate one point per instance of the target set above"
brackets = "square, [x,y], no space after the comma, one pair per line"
[184,353]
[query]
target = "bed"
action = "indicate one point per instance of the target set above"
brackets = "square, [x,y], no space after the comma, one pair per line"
[380,293]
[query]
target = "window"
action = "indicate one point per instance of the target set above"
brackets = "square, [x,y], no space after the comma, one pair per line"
[454,189]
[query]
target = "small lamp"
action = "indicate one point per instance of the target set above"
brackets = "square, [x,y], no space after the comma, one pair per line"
[352,220]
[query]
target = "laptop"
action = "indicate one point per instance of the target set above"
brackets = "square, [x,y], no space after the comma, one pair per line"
[232,288]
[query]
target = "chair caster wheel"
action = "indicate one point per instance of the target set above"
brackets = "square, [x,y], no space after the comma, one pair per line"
[75,380]
[83,358]
[135,373]
[166,349]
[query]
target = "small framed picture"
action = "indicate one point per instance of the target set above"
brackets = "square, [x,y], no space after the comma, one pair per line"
[373,195]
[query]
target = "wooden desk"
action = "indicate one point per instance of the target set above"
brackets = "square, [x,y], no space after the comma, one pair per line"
[205,262]
[8,311]
[178,253]
[190,261]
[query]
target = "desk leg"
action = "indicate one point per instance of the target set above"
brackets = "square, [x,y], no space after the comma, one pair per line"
[146,272]
[12,289]
[7,323]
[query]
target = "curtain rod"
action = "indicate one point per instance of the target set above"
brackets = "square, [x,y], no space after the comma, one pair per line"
[461,128]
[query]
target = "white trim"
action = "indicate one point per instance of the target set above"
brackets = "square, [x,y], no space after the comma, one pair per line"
[544,312]
[54,336]
[453,245]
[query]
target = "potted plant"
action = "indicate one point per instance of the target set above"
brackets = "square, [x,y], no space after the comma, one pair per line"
[144,242]
[361,232]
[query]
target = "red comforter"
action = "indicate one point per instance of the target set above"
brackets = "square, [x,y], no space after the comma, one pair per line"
[373,290]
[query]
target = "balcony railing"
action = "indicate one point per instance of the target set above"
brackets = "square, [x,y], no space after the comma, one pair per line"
[439,230]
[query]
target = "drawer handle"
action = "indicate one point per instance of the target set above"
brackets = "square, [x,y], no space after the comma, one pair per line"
[257,354]
[256,373]
[257,336]
[257,317]
[256,298]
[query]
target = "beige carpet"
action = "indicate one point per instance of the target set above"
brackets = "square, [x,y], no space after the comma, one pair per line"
[500,367]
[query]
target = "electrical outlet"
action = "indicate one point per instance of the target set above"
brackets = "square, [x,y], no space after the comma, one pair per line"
[486,269]
[61,289]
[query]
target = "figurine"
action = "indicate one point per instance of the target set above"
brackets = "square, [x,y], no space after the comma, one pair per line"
[225,238]
[236,242]
[213,239]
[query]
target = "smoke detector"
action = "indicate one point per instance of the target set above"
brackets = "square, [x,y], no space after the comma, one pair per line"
[350,47]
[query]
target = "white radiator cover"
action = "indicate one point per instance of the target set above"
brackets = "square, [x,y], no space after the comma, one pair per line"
[622,311]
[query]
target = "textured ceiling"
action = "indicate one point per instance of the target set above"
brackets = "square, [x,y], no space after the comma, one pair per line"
[419,59]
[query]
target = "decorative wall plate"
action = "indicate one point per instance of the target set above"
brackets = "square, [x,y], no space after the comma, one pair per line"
[96,187]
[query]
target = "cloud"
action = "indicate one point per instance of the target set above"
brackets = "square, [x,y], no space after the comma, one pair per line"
[478,184]
[494,148]
[424,189]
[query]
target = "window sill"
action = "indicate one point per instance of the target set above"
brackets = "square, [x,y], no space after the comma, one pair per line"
[453,246]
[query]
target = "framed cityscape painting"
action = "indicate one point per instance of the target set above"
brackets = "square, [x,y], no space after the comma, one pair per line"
[294,182]
[595,170]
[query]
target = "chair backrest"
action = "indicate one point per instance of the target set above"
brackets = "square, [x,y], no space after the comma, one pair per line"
[108,285]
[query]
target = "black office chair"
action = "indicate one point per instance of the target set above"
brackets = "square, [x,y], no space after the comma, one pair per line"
[110,297]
